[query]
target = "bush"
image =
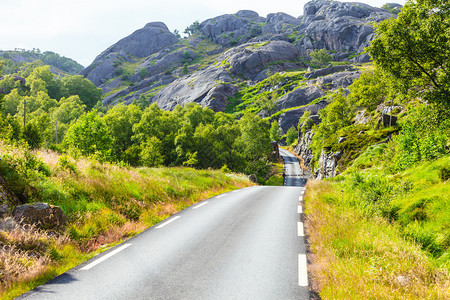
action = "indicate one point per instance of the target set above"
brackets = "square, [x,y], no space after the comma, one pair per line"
[444,173]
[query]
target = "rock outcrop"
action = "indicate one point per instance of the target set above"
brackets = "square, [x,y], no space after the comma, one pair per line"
[226,52]
[339,26]
[41,215]
[142,43]
[212,86]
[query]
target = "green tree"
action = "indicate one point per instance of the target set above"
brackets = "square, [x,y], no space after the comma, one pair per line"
[291,135]
[415,48]
[32,135]
[69,109]
[151,155]
[176,32]
[320,57]
[84,88]
[120,120]
[275,131]
[90,136]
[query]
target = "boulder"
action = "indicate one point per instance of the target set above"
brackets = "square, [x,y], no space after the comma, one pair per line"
[40,214]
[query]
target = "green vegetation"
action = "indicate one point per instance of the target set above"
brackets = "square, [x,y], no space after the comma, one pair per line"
[264,95]
[105,203]
[61,63]
[320,57]
[381,228]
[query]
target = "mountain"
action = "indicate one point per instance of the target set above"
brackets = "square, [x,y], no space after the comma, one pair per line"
[14,59]
[230,53]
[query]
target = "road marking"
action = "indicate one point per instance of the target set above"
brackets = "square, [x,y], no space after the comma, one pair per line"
[200,205]
[220,196]
[168,222]
[103,258]
[300,229]
[235,191]
[299,209]
[302,270]
[300,198]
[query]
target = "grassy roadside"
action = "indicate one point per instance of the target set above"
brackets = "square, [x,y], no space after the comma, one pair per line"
[105,204]
[380,236]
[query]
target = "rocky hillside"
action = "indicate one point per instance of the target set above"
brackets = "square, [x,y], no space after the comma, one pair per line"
[15,59]
[224,57]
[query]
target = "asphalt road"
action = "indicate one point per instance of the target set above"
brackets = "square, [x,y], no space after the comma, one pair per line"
[245,244]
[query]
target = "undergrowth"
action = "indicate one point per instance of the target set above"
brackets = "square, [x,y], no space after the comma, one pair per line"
[377,235]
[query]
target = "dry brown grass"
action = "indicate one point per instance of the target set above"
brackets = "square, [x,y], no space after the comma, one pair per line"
[25,253]
[354,257]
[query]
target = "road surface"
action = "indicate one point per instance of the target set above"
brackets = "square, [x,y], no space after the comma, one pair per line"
[245,244]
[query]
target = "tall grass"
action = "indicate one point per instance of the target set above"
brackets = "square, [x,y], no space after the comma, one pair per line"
[361,256]
[105,204]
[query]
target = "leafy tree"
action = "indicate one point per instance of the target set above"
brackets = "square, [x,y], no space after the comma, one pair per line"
[320,57]
[32,135]
[84,88]
[120,120]
[11,102]
[254,140]
[90,136]
[42,79]
[151,155]
[414,48]
[291,135]
[275,131]
[176,32]
[69,109]
[369,91]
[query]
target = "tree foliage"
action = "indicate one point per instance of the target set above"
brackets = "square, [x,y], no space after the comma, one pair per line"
[415,48]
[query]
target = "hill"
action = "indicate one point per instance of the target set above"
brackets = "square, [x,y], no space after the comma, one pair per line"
[225,55]
[14,60]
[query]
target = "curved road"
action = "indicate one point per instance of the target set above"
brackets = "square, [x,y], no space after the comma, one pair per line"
[245,244]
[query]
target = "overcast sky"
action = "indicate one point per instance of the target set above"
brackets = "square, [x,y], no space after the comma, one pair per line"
[82,29]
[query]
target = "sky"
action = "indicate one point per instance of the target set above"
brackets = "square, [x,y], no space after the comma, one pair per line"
[82,29]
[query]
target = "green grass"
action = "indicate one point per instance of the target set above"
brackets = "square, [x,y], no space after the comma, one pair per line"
[105,204]
[381,235]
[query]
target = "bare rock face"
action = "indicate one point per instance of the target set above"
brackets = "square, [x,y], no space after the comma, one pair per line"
[40,214]
[290,118]
[231,30]
[212,86]
[339,26]
[142,43]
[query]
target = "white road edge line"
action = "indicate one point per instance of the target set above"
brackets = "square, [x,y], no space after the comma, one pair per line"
[235,191]
[200,205]
[168,222]
[300,229]
[302,270]
[300,209]
[103,258]
[220,196]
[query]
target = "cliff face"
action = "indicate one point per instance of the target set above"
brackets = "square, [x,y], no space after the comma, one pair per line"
[229,52]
